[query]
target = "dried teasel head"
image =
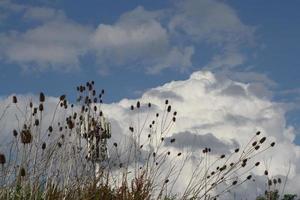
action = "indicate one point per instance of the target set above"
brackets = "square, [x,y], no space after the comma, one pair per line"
[26,136]
[15,133]
[42,97]
[22,172]
[2,159]
[15,100]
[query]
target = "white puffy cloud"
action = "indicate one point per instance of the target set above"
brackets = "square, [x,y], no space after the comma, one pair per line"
[211,111]
[151,41]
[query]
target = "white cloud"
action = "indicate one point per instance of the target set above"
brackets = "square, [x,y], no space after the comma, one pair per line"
[57,44]
[151,41]
[206,104]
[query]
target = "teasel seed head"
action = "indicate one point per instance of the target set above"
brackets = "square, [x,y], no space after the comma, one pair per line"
[269,182]
[258,133]
[15,100]
[254,143]
[115,144]
[131,107]
[266,172]
[237,150]
[15,133]
[41,107]
[149,105]
[257,164]
[249,177]
[26,136]
[169,108]
[167,101]
[272,144]
[42,97]
[222,156]
[174,119]
[167,180]
[257,147]
[234,182]
[22,172]
[279,180]
[30,104]
[62,97]
[138,104]
[2,159]
[179,154]
[262,140]
[44,146]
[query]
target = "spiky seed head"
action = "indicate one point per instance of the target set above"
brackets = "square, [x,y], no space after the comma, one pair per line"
[15,100]
[42,97]
[172,140]
[169,108]
[41,107]
[254,143]
[131,107]
[167,180]
[237,150]
[138,104]
[22,172]
[149,105]
[15,133]
[44,146]
[179,154]
[258,133]
[262,140]
[249,177]
[234,182]
[62,97]
[167,101]
[222,156]
[257,147]
[257,164]
[272,144]
[115,144]
[266,172]
[2,159]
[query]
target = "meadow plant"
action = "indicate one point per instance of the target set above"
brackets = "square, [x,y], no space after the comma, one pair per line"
[75,158]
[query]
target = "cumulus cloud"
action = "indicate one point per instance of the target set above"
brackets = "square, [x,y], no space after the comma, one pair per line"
[209,114]
[151,41]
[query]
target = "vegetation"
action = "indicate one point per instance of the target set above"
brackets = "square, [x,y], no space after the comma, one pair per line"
[76,158]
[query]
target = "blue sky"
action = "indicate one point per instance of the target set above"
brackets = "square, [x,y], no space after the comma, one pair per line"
[251,41]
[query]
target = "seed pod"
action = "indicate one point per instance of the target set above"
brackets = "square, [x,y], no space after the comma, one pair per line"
[279,180]
[131,107]
[258,133]
[138,104]
[262,140]
[254,143]
[257,147]
[15,133]
[44,146]
[41,107]
[249,177]
[115,144]
[174,119]
[167,101]
[149,105]
[175,113]
[36,122]
[272,144]
[15,100]
[236,150]
[2,159]
[62,97]
[167,180]
[179,154]
[22,172]
[169,108]
[172,140]
[266,173]
[257,164]
[50,129]
[42,97]
[234,182]
[222,156]
[30,104]
[26,136]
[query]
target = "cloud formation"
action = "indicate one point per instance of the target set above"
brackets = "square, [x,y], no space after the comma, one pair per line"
[151,41]
[209,114]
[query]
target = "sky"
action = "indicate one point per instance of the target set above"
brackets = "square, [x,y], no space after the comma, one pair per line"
[231,52]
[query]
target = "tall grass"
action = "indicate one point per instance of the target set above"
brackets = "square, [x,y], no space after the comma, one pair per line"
[75,158]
